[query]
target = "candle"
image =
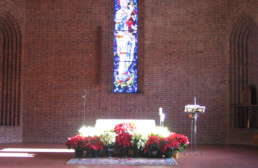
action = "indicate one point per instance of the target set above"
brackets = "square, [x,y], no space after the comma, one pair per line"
[162,117]
[160,111]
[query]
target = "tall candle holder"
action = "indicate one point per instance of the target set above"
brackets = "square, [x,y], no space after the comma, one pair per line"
[194,111]
[161,117]
[82,129]
[84,105]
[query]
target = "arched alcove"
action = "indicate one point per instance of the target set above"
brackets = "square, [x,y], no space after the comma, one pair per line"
[241,105]
[10,70]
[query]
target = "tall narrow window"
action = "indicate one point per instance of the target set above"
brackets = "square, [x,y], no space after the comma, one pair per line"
[125,46]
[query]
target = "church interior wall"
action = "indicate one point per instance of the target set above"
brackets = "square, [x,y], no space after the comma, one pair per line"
[184,51]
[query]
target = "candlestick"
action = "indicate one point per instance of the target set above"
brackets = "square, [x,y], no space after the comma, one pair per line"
[160,111]
[84,104]
[162,117]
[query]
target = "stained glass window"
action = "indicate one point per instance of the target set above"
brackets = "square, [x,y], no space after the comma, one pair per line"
[125,46]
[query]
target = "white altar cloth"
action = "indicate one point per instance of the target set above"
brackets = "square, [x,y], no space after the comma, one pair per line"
[111,123]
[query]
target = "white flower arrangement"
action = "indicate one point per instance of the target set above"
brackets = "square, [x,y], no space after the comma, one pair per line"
[160,131]
[139,140]
[108,138]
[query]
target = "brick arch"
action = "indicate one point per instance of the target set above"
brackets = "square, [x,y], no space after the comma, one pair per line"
[10,71]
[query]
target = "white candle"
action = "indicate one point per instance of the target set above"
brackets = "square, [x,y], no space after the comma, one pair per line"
[160,111]
[162,117]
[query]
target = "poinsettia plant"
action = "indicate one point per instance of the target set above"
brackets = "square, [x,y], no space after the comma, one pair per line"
[138,141]
[108,138]
[152,144]
[181,139]
[123,140]
[174,142]
[76,142]
[125,127]
[93,143]
[124,134]
[168,146]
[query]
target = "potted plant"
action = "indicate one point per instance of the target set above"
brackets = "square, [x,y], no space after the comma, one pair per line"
[123,139]
[77,143]
[152,146]
[138,143]
[168,146]
[93,146]
[182,141]
[174,143]
[108,139]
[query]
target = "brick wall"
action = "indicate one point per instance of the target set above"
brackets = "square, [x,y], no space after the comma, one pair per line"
[184,52]
[10,134]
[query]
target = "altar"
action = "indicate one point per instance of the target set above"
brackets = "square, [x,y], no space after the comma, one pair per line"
[111,123]
[141,136]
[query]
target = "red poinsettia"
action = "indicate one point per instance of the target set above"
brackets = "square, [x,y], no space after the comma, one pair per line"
[178,140]
[75,142]
[123,139]
[125,127]
[163,145]
[168,144]
[183,140]
[124,134]
[152,143]
[93,143]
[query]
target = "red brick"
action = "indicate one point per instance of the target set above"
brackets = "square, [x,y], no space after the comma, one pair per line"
[184,51]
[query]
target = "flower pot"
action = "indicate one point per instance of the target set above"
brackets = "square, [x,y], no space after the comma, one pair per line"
[175,155]
[153,153]
[78,152]
[94,153]
[169,153]
[124,152]
[137,152]
[88,153]
[110,152]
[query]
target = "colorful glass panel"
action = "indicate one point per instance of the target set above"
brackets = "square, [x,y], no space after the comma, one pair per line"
[125,46]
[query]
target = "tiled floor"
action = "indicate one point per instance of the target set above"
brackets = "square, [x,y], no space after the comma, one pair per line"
[213,156]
